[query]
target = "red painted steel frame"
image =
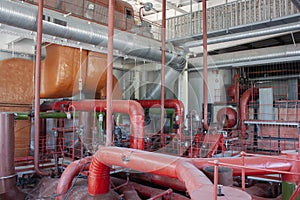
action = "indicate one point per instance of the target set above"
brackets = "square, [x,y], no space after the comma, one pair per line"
[37,89]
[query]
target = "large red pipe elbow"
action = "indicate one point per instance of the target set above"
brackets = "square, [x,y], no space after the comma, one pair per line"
[133,108]
[161,164]
[243,109]
[176,104]
[68,175]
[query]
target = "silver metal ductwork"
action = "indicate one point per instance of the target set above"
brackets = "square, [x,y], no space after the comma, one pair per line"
[252,34]
[250,57]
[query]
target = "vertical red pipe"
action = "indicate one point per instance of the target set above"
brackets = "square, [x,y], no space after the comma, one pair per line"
[163,62]
[110,57]
[216,178]
[99,178]
[243,171]
[237,88]
[243,109]
[37,89]
[205,73]
[298,128]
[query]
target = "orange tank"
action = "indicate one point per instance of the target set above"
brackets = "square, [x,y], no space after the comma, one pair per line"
[59,79]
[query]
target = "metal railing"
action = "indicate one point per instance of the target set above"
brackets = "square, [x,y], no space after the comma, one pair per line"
[228,15]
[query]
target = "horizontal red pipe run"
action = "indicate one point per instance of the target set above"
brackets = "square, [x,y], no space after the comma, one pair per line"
[250,162]
[133,108]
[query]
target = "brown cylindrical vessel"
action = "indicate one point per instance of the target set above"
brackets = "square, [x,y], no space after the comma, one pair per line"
[8,189]
[225,176]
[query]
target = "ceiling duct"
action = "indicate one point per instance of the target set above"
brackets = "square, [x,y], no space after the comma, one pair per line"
[250,57]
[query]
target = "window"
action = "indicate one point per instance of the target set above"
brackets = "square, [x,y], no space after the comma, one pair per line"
[128,13]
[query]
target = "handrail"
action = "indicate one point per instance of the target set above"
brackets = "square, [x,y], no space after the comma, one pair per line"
[228,15]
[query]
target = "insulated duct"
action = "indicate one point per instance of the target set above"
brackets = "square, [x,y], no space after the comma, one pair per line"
[250,57]
[252,34]
[24,16]
[154,91]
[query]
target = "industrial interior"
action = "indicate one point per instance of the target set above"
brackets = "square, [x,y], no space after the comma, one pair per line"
[136,99]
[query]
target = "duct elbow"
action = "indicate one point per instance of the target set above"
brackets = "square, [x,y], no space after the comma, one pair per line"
[99,178]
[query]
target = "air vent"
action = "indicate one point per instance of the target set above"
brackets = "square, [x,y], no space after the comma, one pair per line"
[60,22]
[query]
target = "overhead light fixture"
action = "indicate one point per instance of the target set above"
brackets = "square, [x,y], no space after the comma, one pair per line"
[148,6]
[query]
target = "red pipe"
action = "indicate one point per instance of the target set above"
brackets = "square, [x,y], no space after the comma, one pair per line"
[99,178]
[37,89]
[109,75]
[243,109]
[176,104]
[195,181]
[237,88]
[250,162]
[295,195]
[159,180]
[163,62]
[133,108]
[69,174]
[147,191]
[205,70]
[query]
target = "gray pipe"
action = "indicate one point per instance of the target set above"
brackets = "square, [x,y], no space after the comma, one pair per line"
[240,36]
[154,91]
[250,57]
